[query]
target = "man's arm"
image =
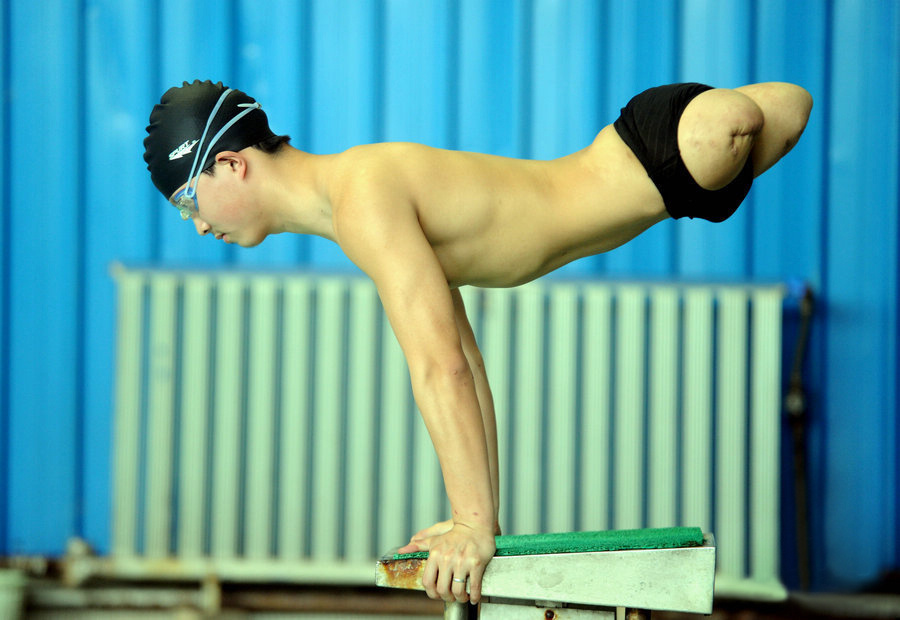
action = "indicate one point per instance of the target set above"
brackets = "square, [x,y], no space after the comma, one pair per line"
[485,398]
[380,232]
[486,404]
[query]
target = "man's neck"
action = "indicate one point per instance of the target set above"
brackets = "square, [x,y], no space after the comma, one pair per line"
[295,193]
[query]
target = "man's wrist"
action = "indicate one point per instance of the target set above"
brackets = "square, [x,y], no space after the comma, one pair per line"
[474,525]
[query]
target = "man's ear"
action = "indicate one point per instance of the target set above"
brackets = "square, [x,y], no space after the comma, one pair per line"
[235,161]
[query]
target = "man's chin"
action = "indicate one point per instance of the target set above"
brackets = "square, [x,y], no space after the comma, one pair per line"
[247,243]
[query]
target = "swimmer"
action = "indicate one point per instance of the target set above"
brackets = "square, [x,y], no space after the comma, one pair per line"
[422,222]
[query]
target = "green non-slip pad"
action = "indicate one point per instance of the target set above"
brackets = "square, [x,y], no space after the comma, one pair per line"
[584,542]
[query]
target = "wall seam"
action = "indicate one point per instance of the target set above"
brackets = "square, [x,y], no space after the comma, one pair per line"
[80,276]
[5,270]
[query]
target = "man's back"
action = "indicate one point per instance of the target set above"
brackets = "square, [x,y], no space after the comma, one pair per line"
[496,221]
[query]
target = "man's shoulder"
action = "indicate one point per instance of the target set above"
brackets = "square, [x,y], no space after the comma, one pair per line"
[380,153]
[372,172]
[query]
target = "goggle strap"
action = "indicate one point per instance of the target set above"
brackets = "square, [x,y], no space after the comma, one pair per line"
[250,107]
[190,189]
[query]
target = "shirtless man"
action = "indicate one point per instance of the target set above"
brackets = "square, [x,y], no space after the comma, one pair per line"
[421,222]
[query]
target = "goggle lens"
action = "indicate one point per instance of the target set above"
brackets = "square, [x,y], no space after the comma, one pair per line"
[186,205]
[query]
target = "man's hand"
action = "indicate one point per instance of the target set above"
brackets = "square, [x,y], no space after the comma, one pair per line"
[456,553]
[435,530]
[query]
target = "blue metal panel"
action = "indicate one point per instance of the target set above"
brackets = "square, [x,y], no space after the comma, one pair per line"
[121,87]
[716,39]
[532,78]
[489,82]
[861,289]
[551,90]
[5,236]
[787,214]
[642,43]
[44,264]
[272,65]
[419,68]
[346,85]
[565,91]
[715,50]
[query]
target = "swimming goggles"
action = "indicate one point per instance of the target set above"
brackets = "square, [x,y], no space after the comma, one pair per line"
[185,199]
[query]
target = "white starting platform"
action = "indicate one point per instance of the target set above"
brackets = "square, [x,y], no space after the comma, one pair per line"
[580,582]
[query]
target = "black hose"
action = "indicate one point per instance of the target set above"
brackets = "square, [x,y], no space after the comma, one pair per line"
[796,407]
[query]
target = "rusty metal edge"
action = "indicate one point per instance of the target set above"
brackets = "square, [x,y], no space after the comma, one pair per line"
[404,574]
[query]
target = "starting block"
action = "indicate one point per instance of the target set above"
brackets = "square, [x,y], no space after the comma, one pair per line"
[583,575]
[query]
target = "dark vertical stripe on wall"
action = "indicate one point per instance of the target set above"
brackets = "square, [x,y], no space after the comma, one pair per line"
[81,352]
[677,39]
[231,72]
[894,476]
[236,37]
[5,233]
[675,70]
[753,27]
[378,68]
[818,484]
[304,117]
[304,255]
[823,110]
[154,73]
[896,344]
[453,52]
[526,68]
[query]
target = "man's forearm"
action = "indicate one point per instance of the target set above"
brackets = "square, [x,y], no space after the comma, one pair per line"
[486,404]
[485,398]
[453,417]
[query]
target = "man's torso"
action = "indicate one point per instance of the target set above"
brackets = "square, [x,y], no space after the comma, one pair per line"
[497,222]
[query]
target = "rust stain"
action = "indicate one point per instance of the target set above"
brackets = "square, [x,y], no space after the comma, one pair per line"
[405,574]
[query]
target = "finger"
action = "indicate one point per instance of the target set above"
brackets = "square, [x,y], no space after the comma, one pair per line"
[459,587]
[429,532]
[413,546]
[475,577]
[429,578]
[425,535]
[443,584]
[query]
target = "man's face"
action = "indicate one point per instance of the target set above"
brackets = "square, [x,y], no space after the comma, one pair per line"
[221,208]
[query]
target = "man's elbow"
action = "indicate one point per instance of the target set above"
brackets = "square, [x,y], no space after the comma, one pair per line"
[438,371]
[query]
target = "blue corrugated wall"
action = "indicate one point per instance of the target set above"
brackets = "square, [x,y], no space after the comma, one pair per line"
[534,78]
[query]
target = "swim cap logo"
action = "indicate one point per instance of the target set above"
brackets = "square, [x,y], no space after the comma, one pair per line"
[182,150]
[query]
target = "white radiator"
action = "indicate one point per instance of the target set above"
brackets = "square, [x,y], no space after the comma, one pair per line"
[265,427]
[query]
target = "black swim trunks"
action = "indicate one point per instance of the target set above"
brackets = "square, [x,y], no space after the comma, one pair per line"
[649,126]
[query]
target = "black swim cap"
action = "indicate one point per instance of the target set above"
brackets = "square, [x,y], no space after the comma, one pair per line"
[176,127]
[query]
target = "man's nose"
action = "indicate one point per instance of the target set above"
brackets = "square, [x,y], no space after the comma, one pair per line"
[202,227]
